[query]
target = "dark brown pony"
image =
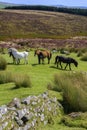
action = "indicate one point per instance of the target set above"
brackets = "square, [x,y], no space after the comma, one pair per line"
[43,54]
[67,60]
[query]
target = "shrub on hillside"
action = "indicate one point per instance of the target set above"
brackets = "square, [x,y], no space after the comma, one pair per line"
[84,57]
[74,89]
[79,54]
[3,63]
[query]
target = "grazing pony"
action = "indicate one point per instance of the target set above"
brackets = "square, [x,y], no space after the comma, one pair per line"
[67,60]
[10,54]
[43,54]
[18,55]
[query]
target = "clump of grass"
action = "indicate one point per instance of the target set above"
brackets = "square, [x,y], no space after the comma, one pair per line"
[22,81]
[79,54]
[74,89]
[84,57]
[76,120]
[5,77]
[3,63]
[19,79]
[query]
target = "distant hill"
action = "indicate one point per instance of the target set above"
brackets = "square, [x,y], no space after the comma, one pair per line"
[4,5]
[78,7]
[70,10]
[41,24]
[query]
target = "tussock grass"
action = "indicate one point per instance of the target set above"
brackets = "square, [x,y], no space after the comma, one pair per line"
[5,77]
[74,89]
[78,121]
[84,57]
[3,63]
[20,80]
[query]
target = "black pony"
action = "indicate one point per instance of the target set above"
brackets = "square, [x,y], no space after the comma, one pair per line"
[67,60]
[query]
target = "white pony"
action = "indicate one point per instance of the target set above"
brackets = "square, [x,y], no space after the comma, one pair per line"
[18,55]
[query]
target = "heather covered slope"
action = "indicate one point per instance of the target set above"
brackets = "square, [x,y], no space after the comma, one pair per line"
[40,24]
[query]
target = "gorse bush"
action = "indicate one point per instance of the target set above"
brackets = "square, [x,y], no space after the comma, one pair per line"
[18,79]
[3,63]
[74,89]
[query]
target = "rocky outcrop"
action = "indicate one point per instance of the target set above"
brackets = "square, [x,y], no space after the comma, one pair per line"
[30,112]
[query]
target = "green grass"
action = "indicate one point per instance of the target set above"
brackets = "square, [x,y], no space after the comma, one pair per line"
[41,76]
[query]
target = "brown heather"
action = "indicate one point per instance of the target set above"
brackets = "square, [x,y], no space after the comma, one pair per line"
[41,24]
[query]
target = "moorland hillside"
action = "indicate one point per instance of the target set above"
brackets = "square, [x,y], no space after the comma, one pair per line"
[40,24]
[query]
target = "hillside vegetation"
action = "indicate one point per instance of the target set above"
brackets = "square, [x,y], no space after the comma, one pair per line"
[40,24]
[70,10]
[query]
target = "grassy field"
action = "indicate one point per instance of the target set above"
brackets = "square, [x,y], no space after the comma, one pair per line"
[39,24]
[40,75]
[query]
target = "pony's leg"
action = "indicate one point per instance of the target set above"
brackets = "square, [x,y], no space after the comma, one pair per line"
[42,60]
[39,60]
[18,61]
[66,66]
[13,60]
[61,65]
[69,66]
[48,60]
[26,60]
[57,63]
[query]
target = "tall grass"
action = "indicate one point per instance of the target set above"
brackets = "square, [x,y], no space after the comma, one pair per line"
[5,77]
[84,57]
[3,63]
[74,89]
[19,79]
[22,81]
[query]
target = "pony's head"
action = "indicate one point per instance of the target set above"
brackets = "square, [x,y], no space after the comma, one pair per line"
[11,50]
[75,63]
[36,52]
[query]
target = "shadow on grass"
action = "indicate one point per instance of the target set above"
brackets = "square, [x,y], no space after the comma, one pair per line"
[39,64]
[35,64]
[11,64]
[54,67]
[16,64]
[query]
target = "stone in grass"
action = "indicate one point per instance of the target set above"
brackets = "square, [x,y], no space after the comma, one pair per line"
[3,109]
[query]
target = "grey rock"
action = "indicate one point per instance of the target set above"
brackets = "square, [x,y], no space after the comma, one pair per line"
[21,113]
[25,114]
[3,109]
[4,125]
